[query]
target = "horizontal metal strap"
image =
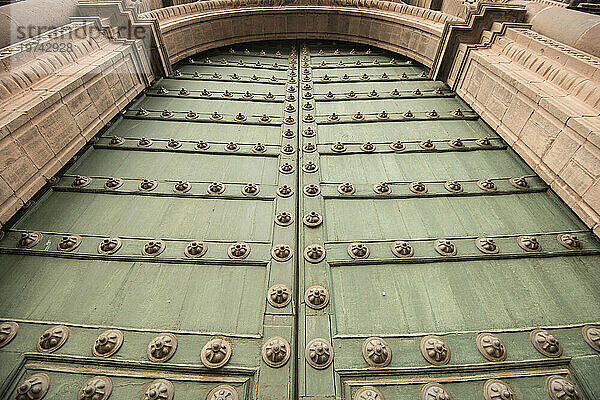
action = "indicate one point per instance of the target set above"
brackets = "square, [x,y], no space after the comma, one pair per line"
[408,250]
[131,249]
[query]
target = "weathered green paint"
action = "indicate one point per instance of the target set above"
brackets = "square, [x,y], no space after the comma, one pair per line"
[401,300]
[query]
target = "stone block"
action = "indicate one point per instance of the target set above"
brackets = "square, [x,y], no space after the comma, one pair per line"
[562,150]
[576,177]
[34,145]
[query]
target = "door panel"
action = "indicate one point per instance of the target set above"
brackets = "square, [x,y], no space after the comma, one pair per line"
[196,251]
[453,259]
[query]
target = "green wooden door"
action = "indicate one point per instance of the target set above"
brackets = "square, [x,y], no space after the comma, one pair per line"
[295,221]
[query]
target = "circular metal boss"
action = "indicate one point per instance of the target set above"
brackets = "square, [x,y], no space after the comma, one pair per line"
[319,353]
[216,353]
[107,343]
[276,352]
[222,392]
[162,347]
[96,388]
[52,339]
[376,352]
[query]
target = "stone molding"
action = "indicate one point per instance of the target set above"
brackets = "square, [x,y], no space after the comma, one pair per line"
[543,98]
[190,28]
[56,104]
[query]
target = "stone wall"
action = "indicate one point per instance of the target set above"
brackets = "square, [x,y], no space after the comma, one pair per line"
[543,98]
[53,103]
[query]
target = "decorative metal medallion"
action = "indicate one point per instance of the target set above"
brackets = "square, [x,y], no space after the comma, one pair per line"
[81,181]
[435,350]
[560,388]
[276,352]
[286,168]
[319,353]
[216,116]
[191,115]
[453,186]
[358,116]
[383,115]
[434,391]
[284,218]
[116,141]
[281,252]
[314,253]
[457,113]
[487,245]
[52,339]
[279,295]
[239,250]
[519,183]
[288,134]
[346,188]
[113,183]
[456,143]
[216,188]
[308,132]
[231,147]
[368,393]
[316,297]
[182,187]
[427,144]
[222,392]
[487,184]
[529,243]
[591,335]
[402,249]
[433,114]
[162,347]
[409,114]
[445,247]
[491,347]
[250,189]
[159,389]
[239,117]
[107,343]
[338,147]
[259,148]
[285,191]
[287,149]
[376,352]
[154,248]
[29,240]
[416,92]
[311,190]
[382,188]
[312,219]
[570,241]
[310,167]
[216,353]
[195,249]
[367,147]
[484,142]
[96,388]
[202,145]
[33,388]
[147,185]
[358,250]
[8,331]
[397,146]
[417,187]
[69,243]
[309,147]
[545,343]
[494,389]
[173,144]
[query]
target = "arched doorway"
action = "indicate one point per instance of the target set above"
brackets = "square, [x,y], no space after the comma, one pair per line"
[299,220]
